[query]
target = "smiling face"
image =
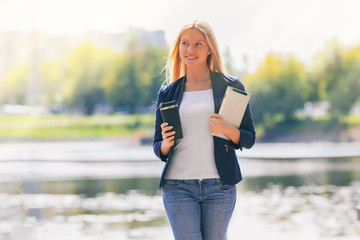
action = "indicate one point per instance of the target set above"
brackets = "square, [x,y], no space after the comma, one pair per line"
[193,49]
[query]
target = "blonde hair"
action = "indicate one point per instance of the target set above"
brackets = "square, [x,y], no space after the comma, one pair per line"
[175,68]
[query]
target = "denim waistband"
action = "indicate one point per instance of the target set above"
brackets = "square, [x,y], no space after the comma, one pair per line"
[197,180]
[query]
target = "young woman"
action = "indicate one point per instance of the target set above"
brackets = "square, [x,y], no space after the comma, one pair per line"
[201,170]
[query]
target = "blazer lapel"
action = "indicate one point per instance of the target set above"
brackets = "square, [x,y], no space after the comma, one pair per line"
[217,91]
[175,92]
[217,85]
[180,90]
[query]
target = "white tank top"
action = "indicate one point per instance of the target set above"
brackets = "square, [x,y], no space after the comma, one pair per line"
[194,154]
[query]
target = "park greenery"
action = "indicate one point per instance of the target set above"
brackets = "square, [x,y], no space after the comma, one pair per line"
[63,127]
[128,81]
[90,76]
[282,84]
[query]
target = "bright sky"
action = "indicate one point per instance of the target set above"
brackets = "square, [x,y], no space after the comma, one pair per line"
[251,28]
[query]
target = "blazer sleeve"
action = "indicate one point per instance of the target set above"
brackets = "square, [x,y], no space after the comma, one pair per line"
[157,135]
[247,128]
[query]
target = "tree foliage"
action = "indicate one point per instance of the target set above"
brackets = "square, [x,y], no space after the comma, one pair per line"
[277,87]
[134,77]
[51,76]
[85,67]
[338,71]
[13,85]
[282,84]
[130,79]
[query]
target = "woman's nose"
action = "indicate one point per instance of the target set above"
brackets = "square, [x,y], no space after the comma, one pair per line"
[190,48]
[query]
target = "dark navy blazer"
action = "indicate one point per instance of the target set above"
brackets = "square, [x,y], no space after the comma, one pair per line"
[224,150]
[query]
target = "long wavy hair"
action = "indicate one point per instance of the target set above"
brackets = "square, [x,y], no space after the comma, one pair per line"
[175,68]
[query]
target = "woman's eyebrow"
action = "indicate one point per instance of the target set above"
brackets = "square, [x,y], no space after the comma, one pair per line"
[200,40]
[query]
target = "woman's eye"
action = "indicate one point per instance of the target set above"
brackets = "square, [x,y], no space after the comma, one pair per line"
[185,43]
[199,44]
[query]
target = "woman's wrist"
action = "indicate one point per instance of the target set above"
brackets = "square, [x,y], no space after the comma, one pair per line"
[233,133]
[164,149]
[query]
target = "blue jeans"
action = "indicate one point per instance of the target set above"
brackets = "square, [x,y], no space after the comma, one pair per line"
[199,209]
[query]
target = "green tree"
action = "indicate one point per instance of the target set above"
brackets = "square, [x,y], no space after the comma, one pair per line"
[328,69]
[337,69]
[134,77]
[120,83]
[277,88]
[152,62]
[345,89]
[85,68]
[51,75]
[13,85]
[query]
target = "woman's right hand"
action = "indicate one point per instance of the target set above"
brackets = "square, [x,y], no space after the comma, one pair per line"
[168,138]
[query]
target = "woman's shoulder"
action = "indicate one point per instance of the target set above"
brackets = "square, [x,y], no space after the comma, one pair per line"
[228,80]
[165,88]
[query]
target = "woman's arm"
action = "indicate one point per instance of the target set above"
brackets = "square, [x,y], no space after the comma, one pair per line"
[157,141]
[218,126]
[163,139]
[244,136]
[241,137]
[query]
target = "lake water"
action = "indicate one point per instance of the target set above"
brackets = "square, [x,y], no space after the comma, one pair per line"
[307,198]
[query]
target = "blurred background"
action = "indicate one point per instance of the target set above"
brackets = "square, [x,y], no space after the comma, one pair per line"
[78,85]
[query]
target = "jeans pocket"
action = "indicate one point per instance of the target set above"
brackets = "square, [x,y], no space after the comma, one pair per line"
[224,186]
[170,182]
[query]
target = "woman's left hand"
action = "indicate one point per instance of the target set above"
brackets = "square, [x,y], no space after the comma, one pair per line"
[217,124]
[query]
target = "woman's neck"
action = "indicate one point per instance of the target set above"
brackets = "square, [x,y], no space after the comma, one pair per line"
[198,74]
[197,79]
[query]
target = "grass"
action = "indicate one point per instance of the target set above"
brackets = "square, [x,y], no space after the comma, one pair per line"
[120,125]
[67,127]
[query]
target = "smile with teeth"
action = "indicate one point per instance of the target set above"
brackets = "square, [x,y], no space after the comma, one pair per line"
[191,58]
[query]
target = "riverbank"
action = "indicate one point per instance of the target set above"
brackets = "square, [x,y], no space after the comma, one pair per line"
[141,126]
[128,149]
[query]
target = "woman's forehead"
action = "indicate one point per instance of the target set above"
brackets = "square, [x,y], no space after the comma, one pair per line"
[193,34]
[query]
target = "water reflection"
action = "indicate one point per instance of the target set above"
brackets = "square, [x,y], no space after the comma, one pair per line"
[288,199]
[337,178]
[150,186]
[92,187]
[258,174]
